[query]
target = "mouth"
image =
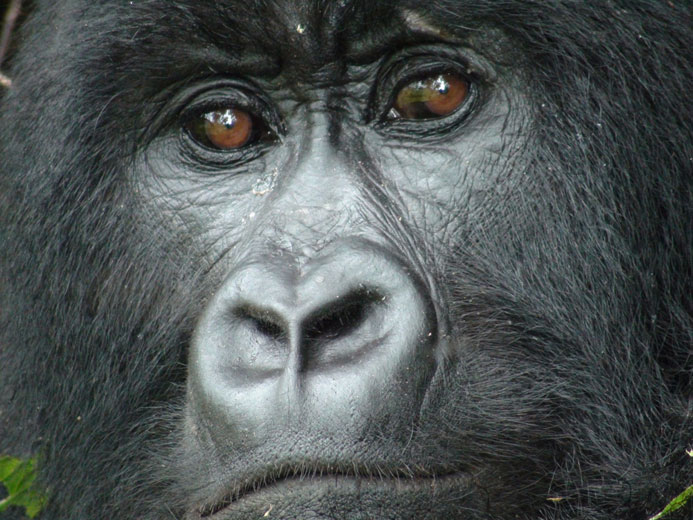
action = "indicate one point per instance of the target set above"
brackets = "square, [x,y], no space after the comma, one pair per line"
[273,486]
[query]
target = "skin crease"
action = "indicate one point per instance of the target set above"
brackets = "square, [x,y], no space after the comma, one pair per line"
[348,310]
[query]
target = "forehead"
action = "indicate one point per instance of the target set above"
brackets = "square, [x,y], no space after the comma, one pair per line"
[278,27]
[311,31]
[150,41]
[306,31]
[295,34]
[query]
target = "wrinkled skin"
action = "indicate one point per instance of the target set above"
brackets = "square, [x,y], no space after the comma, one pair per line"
[364,306]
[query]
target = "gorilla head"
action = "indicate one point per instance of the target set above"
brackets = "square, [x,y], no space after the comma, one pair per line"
[349,260]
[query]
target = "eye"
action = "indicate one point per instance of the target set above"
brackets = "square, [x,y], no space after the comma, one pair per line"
[431,97]
[225,129]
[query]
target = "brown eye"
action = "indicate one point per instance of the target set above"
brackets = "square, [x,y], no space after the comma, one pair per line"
[226,129]
[432,97]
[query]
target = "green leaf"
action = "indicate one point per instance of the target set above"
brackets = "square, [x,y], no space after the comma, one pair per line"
[675,504]
[18,478]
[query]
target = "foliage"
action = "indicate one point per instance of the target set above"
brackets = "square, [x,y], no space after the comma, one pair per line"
[18,478]
[676,504]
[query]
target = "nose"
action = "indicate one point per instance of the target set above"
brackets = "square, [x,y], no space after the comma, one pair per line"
[332,312]
[336,325]
[322,340]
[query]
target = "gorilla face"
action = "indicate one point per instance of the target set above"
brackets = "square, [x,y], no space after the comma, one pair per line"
[328,194]
[336,260]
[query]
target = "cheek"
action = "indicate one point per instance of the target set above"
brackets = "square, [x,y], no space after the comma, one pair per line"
[440,183]
[211,209]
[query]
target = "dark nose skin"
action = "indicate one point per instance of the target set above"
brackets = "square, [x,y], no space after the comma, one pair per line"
[340,323]
[321,343]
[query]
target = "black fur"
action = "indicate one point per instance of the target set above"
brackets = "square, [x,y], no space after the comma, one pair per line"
[581,292]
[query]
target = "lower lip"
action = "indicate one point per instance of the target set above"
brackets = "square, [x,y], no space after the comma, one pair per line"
[348,497]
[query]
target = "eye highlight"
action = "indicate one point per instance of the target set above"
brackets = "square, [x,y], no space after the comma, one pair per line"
[224,129]
[432,97]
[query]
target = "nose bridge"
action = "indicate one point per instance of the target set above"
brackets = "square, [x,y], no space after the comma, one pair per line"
[321,188]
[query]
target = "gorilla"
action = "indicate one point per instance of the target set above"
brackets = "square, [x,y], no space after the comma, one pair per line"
[349,260]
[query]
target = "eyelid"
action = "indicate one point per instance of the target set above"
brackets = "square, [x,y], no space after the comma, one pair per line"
[226,96]
[425,126]
[217,93]
[411,64]
[218,101]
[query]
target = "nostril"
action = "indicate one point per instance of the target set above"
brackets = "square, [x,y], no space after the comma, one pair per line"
[265,322]
[341,317]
